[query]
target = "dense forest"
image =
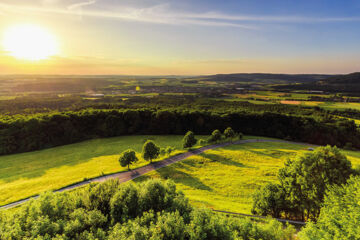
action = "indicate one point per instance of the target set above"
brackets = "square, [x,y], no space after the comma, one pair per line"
[20,133]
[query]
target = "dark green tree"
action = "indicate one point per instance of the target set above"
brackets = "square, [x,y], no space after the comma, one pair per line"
[215,136]
[269,200]
[189,140]
[306,179]
[127,158]
[150,151]
[229,133]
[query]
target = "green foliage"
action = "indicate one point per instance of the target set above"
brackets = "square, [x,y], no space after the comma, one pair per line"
[169,150]
[306,179]
[152,210]
[127,158]
[189,140]
[340,215]
[150,151]
[202,142]
[215,136]
[21,133]
[125,203]
[269,200]
[229,133]
[304,182]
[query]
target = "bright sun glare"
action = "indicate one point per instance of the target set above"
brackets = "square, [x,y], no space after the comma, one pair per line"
[29,42]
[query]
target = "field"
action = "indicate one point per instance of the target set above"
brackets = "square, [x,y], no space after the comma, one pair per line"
[221,178]
[26,174]
[291,98]
[225,179]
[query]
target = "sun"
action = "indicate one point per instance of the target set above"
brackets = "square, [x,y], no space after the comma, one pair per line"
[29,42]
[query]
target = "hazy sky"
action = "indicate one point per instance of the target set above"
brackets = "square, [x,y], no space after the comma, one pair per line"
[189,37]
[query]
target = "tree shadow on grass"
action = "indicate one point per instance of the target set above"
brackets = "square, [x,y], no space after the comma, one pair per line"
[223,160]
[273,153]
[179,177]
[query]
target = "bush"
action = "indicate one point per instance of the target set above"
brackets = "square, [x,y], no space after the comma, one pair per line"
[189,140]
[229,133]
[169,150]
[202,142]
[215,136]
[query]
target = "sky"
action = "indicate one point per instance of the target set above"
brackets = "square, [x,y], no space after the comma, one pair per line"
[156,37]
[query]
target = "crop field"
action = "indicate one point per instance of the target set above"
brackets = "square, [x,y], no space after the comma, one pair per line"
[226,178]
[27,174]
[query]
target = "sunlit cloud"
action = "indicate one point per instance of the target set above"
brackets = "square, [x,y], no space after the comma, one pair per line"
[164,14]
[81,4]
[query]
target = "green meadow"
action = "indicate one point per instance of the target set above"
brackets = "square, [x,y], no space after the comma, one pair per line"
[222,178]
[27,174]
[226,178]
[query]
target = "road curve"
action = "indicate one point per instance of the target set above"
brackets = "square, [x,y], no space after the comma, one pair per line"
[132,174]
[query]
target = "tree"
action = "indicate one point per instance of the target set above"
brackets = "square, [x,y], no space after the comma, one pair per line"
[269,200]
[150,151]
[127,158]
[340,215]
[306,179]
[189,140]
[215,136]
[229,133]
[303,183]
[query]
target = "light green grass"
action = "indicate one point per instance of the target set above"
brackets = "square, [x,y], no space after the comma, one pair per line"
[226,178]
[340,105]
[26,174]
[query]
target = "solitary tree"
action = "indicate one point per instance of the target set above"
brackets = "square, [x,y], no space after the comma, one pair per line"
[150,151]
[127,158]
[189,140]
[215,136]
[306,179]
[229,133]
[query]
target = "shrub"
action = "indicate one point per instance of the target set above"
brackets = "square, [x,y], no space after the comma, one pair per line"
[189,140]
[229,133]
[215,136]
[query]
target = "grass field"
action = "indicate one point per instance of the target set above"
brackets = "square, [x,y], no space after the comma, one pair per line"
[226,178]
[26,174]
[222,178]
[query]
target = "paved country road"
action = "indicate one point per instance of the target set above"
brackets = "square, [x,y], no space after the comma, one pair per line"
[129,175]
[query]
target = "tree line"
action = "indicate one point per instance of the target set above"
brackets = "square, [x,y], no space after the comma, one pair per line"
[22,133]
[110,210]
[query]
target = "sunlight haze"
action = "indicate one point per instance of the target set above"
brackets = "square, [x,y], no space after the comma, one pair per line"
[178,37]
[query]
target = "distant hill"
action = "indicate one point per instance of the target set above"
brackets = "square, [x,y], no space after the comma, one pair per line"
[265,78]
[352,78]
[349,84]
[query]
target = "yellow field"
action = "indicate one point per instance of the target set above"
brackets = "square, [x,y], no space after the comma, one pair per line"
[225,179]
